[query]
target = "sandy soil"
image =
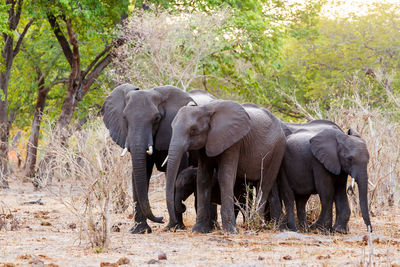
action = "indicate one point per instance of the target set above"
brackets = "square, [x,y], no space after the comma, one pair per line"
[44,236]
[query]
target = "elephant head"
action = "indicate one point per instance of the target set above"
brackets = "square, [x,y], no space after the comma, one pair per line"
[139,120]
[214,126]
[348,153]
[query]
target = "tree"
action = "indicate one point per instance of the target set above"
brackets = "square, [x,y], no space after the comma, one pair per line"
[74,24]
[85,34]
[322,66]
[10,48]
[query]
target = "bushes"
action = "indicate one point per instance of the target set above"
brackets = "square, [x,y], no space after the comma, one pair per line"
[91,179]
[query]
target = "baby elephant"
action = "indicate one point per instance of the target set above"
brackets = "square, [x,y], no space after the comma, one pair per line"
[318,158]
[186,185]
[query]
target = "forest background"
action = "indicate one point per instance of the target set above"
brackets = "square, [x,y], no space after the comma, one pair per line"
[61,58]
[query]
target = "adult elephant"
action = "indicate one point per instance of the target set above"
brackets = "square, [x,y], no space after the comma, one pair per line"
[139,121]
[318,158]
[239,141]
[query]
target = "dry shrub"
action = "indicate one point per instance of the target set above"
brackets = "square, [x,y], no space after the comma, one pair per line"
[91,178]
[167,48]
[313,208]
[250,209]
[8,219]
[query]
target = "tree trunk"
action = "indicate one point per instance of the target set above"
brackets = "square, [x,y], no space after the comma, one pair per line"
[79,83]
[8,57]
[4,133]
[8,54]
[31,151]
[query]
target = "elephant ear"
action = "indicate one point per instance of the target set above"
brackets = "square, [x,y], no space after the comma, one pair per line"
[286,130]
[112,111]
[229,123]
[173,99]
[324,147]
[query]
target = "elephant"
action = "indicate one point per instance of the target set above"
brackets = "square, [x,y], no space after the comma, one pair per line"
[139,121]
[240,141]
[318,158]
[186,185]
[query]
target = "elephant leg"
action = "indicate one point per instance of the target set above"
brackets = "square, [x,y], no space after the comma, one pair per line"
[287,195]
[203,196]
[214,216]
[342,207]
[226,179]
[269,174]
[141,226]
[275,204]
[301,202]
[326,191]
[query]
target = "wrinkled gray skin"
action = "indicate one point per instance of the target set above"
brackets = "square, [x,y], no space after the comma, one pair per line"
[239,141]
[138,119]
[186,185]
[318,158]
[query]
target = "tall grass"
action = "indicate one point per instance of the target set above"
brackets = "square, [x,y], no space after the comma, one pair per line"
[90,178]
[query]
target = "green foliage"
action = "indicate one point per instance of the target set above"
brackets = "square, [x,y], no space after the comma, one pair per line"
[93,22]
[323,66]
[4,18]
[272,53]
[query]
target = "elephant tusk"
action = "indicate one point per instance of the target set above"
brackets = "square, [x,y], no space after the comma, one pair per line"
[124,152]
[150,151]
[165,161]
[352,183]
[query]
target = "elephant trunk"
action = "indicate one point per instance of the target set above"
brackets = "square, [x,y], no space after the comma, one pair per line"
[363,196]
[175,154]
[140,181]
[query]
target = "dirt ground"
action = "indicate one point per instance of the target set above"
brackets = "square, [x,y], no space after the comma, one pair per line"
[44,235]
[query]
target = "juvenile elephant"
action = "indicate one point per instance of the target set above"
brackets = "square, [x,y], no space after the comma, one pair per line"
[318,158]
[239,141]
[139,121]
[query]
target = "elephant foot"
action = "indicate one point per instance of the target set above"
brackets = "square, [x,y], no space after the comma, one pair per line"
[339,229]
[230,228]
[202,228]
[320,227]
[140,228]
[292,227]
[175,226]
[303,227]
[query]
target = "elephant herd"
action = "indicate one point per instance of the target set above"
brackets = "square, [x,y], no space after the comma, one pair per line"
[214,148]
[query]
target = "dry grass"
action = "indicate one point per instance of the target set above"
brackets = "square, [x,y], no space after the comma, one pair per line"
[91,181]
[90,168]
[8,219]
[250,210]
